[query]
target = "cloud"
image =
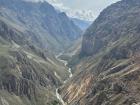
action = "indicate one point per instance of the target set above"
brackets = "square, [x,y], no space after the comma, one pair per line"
[82,9]
[82,14]
[35,0]
[58,5]
[74,13]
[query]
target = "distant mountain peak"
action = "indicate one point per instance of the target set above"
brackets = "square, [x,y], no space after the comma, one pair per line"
[86,15]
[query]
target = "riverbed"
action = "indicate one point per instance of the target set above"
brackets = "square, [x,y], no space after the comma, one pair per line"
[70,75]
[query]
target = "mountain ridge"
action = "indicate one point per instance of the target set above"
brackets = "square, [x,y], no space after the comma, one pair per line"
[107,68]
[44,27]
[30,35]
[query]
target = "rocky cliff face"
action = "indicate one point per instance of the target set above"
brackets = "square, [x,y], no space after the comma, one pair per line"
[29,74]
[107,70]
[111,25]
[25,77]
[48,27]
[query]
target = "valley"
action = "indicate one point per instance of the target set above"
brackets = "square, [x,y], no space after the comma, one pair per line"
[49,58]
[29,71]
[58,95]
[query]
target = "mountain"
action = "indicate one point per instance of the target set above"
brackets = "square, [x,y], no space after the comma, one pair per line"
[28,74]
[50,29]
[82,24]
[30,34]
[63,6]
[107,70]
[87,15]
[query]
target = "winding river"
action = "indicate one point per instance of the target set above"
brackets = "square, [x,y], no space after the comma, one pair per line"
[70,75]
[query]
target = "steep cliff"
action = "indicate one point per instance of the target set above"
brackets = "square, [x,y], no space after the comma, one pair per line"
[49,28]
[107,71]
[29,75]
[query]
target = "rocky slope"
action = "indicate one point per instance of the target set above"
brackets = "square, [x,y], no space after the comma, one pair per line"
[48,27]
[29,35]
[28,74]
[107,70]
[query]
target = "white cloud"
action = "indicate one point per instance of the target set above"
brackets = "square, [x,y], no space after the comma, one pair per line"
[83,9]
[81,14]
[76,13]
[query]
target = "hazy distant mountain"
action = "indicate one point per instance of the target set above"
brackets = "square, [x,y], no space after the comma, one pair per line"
[107,71]
[86,15]
[83,24]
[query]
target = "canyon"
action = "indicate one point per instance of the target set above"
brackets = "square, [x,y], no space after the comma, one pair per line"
[106,69]
[48,58]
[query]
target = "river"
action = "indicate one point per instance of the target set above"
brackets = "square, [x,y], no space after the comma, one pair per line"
[70,75]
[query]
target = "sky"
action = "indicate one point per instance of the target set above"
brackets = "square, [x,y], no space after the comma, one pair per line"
[83,9]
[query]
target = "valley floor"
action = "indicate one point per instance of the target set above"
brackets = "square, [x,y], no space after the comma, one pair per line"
[58,95]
